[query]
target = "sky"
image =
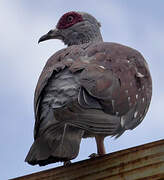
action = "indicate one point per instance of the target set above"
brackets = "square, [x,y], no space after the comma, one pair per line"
[138,24]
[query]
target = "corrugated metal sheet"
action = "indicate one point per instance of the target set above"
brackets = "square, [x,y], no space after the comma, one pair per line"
[145,162]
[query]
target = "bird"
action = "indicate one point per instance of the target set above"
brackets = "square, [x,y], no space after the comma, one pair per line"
[91,88]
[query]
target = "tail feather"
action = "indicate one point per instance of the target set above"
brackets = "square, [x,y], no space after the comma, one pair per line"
[55,145]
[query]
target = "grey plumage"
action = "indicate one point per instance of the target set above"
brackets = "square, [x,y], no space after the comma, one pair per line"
[89,89]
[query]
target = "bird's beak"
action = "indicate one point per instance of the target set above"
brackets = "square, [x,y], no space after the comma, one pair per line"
[52,34]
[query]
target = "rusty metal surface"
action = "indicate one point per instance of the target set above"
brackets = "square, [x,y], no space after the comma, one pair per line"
[143,162]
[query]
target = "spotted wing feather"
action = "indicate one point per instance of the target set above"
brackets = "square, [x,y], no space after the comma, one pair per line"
[116,78]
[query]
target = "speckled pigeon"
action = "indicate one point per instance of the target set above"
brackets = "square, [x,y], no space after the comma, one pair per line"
[91,88]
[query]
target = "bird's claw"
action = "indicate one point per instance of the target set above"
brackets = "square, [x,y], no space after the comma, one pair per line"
[67,163]
[93,155]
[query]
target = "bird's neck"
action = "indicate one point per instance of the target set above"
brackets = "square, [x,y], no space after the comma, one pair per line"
[82,38]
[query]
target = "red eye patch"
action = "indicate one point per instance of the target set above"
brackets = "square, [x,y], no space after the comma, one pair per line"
[69,19]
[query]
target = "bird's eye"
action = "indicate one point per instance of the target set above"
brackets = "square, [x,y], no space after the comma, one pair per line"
[70,19]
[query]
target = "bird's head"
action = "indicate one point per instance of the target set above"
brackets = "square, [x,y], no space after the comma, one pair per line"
[75,28]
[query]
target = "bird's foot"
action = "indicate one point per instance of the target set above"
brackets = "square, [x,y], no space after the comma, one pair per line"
[67,163]
[93,155]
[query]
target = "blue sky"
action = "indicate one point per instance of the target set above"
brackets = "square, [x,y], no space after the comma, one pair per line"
[138,24]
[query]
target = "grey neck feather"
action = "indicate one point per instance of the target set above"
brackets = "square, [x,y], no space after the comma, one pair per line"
[84,32]
[81,38]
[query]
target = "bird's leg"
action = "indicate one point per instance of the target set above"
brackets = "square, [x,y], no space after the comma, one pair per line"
[100,147]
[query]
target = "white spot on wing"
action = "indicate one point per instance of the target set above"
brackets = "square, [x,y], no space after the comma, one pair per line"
[102,67]
[135,114]
[129,98]
[143,99]
[140,75]
[127,91]
[136,96]
[122,121]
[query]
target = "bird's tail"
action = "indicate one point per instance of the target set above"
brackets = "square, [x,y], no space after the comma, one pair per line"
[55,144]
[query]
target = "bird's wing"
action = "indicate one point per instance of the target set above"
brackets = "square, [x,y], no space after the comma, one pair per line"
[57,62]
[53,65]
[116,79]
